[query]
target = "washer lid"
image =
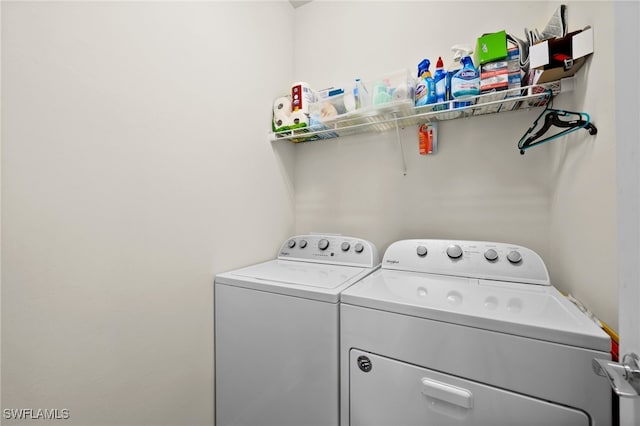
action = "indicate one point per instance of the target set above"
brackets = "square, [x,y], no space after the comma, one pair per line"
[538,312]
[295,278]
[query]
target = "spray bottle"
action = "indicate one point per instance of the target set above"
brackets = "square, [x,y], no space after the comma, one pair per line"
[459,51]
[465,84]
[425,86]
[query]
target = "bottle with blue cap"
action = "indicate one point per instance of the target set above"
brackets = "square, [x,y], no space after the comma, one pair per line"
[426,86]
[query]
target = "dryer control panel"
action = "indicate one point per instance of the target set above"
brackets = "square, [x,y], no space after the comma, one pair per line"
[472,259]
[330,249]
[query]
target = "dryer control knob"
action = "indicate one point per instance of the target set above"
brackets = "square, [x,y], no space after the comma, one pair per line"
[345,246]
[303,243]
[491,255]
[514,256]
[359,248]
[454,251]
[291,243]
[422,251]
[323,244]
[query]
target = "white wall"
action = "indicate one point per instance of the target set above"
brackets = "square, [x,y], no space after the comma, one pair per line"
[583,171]
[135,166]
[477,186]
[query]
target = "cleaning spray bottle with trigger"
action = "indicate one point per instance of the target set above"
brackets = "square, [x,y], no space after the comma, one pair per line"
[465,84]
[425,86]
[459,51]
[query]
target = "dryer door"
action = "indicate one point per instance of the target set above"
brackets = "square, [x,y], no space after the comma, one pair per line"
[388,392]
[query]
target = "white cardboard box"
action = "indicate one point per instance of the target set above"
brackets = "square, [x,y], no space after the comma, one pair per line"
[539,56]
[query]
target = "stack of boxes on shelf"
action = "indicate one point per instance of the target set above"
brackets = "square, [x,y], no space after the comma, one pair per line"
[494,77]
[513,66]
[499,63]
[515,77]
[502,74]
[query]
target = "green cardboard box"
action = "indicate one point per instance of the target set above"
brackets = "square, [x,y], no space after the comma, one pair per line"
[491,47]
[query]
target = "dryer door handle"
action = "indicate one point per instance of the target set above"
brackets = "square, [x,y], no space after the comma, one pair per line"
[448,393]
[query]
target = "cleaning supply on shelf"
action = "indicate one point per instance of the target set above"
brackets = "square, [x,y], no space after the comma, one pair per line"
[400,93]
[465,84]
[459,51]
[427,139]
[440,80]
[424,139]
[356,93]
[425,86]
[360,94]
[494,77]
[381,93]
[421,84]
[330,103]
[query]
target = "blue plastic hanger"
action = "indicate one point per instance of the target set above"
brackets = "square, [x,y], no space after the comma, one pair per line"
[569,121]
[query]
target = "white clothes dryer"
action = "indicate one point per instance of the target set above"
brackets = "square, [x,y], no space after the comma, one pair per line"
[468,333]
[277,332]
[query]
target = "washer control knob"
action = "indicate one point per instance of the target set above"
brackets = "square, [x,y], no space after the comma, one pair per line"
[291,243]
[303,243]
[454,251]
[491,255]
[345,246]
[514,256]
[422,251]
[359,248]
[323,244]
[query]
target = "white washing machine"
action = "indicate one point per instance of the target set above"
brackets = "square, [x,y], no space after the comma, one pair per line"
[277,332]
[467,333]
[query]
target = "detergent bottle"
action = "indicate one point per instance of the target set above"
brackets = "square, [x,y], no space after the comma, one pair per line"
[425,87]
[440,80]
[459,51]
[465,84]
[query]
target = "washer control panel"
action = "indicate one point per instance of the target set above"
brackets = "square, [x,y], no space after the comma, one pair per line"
[472,259]
[332,249]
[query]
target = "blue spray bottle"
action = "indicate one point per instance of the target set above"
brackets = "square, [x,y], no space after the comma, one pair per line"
[465,84]
[425,87]
[459,51]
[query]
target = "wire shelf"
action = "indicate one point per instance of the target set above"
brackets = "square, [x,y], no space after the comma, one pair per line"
[381,118]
